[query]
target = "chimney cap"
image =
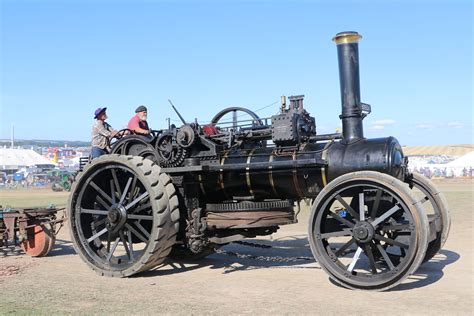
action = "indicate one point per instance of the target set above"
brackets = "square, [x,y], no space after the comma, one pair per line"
[347,37]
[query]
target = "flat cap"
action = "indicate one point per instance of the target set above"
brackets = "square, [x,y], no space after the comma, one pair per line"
[141,108]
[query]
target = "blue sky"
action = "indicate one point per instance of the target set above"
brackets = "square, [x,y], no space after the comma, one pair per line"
[60,60]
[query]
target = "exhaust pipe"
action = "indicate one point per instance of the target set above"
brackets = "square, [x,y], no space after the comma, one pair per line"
[348,57]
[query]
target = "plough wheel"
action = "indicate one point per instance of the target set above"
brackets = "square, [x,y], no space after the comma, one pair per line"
[375,243]
[40,240]
[123,215]
[438,210]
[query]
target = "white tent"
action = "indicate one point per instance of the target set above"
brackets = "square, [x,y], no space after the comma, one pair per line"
[18,158]
[464,161]
[462,165]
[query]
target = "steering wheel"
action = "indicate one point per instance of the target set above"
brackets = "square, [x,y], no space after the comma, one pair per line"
[120,134]
[234,110]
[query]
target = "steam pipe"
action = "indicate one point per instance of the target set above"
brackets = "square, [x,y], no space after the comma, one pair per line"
[348,57]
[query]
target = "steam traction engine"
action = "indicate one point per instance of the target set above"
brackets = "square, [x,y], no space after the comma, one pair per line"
[189,189]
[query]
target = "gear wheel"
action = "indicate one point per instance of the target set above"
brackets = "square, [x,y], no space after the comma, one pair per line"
[169,153]
[185,137]
[247,206]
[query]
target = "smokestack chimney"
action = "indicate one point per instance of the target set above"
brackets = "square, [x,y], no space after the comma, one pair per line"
[348,57]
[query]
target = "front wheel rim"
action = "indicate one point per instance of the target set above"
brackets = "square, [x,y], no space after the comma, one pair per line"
[367,258]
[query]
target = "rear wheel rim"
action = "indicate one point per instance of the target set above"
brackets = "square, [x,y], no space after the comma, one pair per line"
[114,217]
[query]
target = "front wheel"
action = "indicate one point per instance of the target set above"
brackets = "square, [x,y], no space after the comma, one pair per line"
[437,211]
[367,231]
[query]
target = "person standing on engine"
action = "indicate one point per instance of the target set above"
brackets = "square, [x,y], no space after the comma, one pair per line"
[138,123]
[102,132]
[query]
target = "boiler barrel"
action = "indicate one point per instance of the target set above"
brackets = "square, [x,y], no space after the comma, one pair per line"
[258,174]
[269,182]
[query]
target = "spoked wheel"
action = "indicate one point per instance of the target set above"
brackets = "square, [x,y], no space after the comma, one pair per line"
[40,239]
[367,231]
[120,134]
[123,215]
[235,110]
[135,145]
[437,211]
[169,153]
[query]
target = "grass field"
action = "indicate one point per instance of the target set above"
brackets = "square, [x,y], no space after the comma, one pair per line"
[24,198]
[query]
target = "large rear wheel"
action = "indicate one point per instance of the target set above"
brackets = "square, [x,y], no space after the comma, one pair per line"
[123,215]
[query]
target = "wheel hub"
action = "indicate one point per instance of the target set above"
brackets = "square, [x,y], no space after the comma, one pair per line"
[117,216]
[363,232]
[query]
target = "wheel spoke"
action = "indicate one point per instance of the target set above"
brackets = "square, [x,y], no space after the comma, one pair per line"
[114,175]
[394,227]
[370,255]
[345,232]
[112,191]
[143,217]
[342,220]
[354,259]
[138,199]
[102,202]
[234,120]
[361,207]
[347,206]
[109,256]
[95,212]
[109,236]
[124,242]
[100,222]
[344,247]
[94,237]
[101,192]
[131,195]
[141,208]
[142,229]
[375,206]
[125,190]
[385,215]
[130,244]
[133,230]
[391,241]
[385,257]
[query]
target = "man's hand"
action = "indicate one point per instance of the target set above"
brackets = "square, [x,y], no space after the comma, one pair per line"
[142,131]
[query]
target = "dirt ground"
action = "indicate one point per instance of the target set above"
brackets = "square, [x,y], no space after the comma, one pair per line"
[242,279]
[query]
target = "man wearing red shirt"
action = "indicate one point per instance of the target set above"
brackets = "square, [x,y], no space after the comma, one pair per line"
[138,122]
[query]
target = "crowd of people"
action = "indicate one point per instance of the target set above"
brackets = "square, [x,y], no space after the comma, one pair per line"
[103,132]
[444,172]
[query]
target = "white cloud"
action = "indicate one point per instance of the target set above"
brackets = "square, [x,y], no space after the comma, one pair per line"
[455,125]
[377,127]
[384,122]
[425,126]
[381,124]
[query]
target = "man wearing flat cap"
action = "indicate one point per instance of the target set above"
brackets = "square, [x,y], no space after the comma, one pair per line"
[101,133]
[138,122]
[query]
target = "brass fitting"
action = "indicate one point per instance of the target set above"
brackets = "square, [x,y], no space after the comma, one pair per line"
[346,37]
